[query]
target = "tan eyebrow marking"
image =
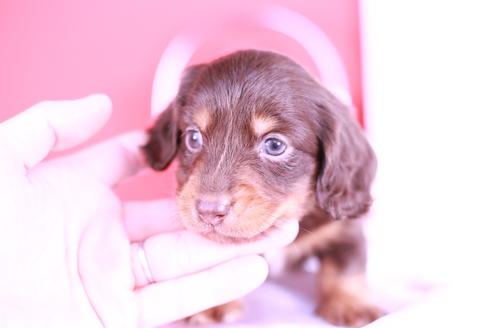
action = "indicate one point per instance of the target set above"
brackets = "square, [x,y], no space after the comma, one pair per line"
[201,118]
[263,124]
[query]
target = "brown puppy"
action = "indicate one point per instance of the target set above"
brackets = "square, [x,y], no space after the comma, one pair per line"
[259,141]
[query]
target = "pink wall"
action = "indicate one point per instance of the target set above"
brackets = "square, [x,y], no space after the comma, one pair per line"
[56,49]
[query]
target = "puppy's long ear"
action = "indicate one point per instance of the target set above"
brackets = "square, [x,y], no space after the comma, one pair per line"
[348,164]
[163,140]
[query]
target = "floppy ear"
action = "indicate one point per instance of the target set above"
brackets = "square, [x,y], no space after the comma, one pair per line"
[163,140]
[348,163]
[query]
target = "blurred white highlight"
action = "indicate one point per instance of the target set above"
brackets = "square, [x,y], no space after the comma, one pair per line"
[428,73]
[315,42]
[167,76]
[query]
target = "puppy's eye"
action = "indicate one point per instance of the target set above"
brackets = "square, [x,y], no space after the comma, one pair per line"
[274,146]
[193,140]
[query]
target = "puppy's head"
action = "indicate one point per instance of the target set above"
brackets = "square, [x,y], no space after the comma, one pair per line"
[259,141]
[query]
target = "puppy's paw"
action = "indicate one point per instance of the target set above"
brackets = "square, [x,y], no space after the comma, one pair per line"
[348,311]
[225,313]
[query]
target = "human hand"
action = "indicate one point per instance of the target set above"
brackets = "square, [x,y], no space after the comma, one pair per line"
[66,257]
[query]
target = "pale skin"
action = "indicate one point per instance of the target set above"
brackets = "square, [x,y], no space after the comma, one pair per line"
[68,244]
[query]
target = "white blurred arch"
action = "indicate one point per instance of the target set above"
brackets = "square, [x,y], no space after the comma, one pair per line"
[323,53]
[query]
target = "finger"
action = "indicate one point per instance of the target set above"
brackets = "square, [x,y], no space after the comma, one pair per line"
[52,125]
[171,255]
[176,299]
[110,161]
[147,218]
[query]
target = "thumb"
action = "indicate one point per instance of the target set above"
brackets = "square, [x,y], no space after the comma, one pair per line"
[28,137]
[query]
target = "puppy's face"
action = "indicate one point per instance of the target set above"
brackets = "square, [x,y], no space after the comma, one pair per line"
[244,167]
[251,144]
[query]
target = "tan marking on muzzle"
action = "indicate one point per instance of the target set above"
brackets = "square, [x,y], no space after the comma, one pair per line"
[186,204]
[253,214]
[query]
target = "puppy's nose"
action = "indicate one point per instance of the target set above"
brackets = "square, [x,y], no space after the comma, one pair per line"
[213,211]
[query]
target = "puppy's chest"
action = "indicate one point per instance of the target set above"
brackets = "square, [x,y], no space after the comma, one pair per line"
[313,229]
[312,220]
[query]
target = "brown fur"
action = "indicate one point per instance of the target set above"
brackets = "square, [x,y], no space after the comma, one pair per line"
[324,177]
[227,312]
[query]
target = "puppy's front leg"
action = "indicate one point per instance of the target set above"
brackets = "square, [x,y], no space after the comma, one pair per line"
[343,291]
[224,313]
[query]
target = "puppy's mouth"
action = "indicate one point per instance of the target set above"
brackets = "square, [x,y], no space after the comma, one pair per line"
[215,234]
[232,228]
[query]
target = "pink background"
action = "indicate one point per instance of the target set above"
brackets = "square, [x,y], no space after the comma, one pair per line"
[56,49]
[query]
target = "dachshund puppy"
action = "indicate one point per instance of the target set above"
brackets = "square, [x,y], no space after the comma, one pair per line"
[260,141]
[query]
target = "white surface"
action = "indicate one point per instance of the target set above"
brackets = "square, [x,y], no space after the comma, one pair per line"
[428,83]
[428,94]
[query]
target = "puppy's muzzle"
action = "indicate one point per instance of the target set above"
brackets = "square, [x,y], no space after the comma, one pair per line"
[212,209]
